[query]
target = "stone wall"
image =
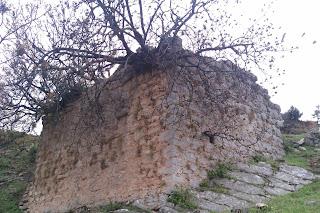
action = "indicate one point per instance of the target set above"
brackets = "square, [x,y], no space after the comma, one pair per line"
[138,137]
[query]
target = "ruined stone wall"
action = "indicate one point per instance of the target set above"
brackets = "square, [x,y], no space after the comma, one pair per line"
[218,115]
[149,133]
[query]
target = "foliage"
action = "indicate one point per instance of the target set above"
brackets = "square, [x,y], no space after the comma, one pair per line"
[111,207]
[32,153]
[212,186]
[292,123]
[183,198]
[258,158]
[293,114]
[52,53]
[316,114]
[16,167]
[300,158]
[221,171]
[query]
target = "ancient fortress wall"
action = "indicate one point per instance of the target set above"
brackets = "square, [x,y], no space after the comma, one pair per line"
[141,136]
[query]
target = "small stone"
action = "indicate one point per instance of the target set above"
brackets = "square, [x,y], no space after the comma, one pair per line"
[301,148]
[121,210]
[235,210]
[300,142]
[312,202]
[166,209]
[261,206]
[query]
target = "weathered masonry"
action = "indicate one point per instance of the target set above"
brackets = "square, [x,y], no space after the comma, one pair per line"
[139,136]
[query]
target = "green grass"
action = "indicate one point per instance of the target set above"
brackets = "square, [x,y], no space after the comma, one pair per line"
[183,198]
[257,159]
[10,196]
[17,159]
[305,200]
[292,137]
[221,171]
[298,158]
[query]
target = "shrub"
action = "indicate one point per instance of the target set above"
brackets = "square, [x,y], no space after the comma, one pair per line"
[32,153]
[182,198]
[221,171]
[207,185]
[258,158]
[293,114]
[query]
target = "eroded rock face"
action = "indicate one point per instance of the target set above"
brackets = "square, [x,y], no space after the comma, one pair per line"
[313,138]
[138,138]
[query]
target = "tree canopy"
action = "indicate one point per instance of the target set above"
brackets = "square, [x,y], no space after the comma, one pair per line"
[51,50]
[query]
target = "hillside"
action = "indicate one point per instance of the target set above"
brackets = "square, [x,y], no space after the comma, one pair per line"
[17,163]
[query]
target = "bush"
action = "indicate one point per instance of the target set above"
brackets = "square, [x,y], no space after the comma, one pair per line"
[221,171]
[182,198]
[32,153]
[207,185]
[258,158]
[293,114]
[292,124]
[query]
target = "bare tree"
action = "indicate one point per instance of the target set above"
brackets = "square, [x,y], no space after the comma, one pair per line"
[72,45]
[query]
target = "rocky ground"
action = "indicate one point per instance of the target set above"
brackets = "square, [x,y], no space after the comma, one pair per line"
[249,186]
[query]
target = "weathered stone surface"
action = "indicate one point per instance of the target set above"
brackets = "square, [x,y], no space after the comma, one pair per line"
[297,171]
[260,169]
[166,209]
[249,197]
[240,186]
[313,139]
[274,182]
[151,202]
[211,206]
[151,132]
[291,179]
[247,177]
[275,191]
[124,211]
[222,199]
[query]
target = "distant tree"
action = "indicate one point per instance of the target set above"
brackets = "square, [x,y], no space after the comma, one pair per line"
[316,114]
[70,45]
[292,115]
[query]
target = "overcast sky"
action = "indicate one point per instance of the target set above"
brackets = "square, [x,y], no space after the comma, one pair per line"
[300,21]
[302,78]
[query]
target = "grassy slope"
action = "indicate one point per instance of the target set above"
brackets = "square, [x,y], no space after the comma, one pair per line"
[300,158]
[17,157]
[307,199]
